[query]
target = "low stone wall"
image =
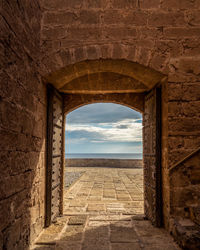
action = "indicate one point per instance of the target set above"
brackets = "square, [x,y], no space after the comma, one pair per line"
[106,163]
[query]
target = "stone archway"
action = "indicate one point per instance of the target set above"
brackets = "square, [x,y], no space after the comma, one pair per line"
[118,81]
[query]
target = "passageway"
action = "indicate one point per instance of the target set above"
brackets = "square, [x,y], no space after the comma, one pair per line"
[103,210]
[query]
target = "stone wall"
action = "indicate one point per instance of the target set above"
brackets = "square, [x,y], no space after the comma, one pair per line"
[22,125]
[161,34]
[185,188]
[185,201]
[105,163]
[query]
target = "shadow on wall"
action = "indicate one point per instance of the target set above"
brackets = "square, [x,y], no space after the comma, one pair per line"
[21,190]
[22,126]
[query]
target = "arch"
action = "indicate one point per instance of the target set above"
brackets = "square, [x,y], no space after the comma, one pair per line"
[122,82]
[131,100]
[104,82]
[139,73]
[139,52]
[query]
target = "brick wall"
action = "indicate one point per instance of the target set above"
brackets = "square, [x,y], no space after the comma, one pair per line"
[22,125]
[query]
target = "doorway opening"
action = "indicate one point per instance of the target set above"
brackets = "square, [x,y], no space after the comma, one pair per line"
[143,94]
[103,171]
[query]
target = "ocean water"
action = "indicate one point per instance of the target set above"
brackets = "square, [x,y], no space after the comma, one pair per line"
[104,156]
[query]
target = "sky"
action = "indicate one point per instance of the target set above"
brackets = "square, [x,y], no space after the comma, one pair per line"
[103,128]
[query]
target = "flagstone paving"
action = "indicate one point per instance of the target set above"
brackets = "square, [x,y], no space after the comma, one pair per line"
[103,210]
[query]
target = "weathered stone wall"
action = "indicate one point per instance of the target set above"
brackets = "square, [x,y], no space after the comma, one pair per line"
[22,125]
[162,34]
[185,201]
[185,189]
[106,163]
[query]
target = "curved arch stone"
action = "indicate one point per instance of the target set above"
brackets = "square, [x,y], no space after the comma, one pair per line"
[147,76]
[131,100]
[103,82]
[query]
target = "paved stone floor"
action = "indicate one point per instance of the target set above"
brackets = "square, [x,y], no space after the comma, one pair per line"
[104,211]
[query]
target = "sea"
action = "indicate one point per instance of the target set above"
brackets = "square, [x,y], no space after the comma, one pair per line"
[105,156]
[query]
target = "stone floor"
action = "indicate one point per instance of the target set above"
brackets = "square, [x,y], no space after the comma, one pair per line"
[104,211]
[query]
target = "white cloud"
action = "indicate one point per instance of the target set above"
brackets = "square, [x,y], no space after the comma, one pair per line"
[127,130]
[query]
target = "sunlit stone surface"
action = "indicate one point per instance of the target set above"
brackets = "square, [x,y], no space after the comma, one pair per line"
[103,209]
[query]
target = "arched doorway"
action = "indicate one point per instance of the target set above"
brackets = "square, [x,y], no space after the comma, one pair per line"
[117,81]
[103,161]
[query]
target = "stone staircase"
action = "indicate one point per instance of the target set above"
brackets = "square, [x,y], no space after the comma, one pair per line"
[185,201]
[186,233]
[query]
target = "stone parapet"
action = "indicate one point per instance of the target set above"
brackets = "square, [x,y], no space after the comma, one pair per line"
[106,163]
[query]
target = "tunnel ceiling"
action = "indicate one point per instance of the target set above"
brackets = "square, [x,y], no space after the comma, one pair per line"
[104,82]
[104,76]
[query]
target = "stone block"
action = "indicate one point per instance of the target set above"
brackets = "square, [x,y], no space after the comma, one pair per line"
[184,126]
[95,4]
[126,246]
[6,189]
[190,65]
[168,46]
[116,33]
[54,33]
[175,109]
[61,4]
[6,213]
[177,32]
[122,234]
[82,33]
[95,207]
[191,47]
[126,4]
[59,18]
[12,235]
[150,4]
[89,17]
[159,19]
[136,18]
[97,233]
[10,116]
[77,220]
[129,18]
[72,233]
[79,54]
[98,245]
[158,61]
[193,17]
[47,239]
[191,92]
[92,52]
[65,245]
[175,91]
[180,4]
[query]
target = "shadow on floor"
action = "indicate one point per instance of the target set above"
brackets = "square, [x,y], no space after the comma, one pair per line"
[104,232]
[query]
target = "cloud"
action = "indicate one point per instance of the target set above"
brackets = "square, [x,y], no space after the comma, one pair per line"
[103,128]
[122,126]
[102,113]
[122,131]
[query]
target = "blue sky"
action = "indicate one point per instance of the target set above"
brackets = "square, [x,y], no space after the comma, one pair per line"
[103,128]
